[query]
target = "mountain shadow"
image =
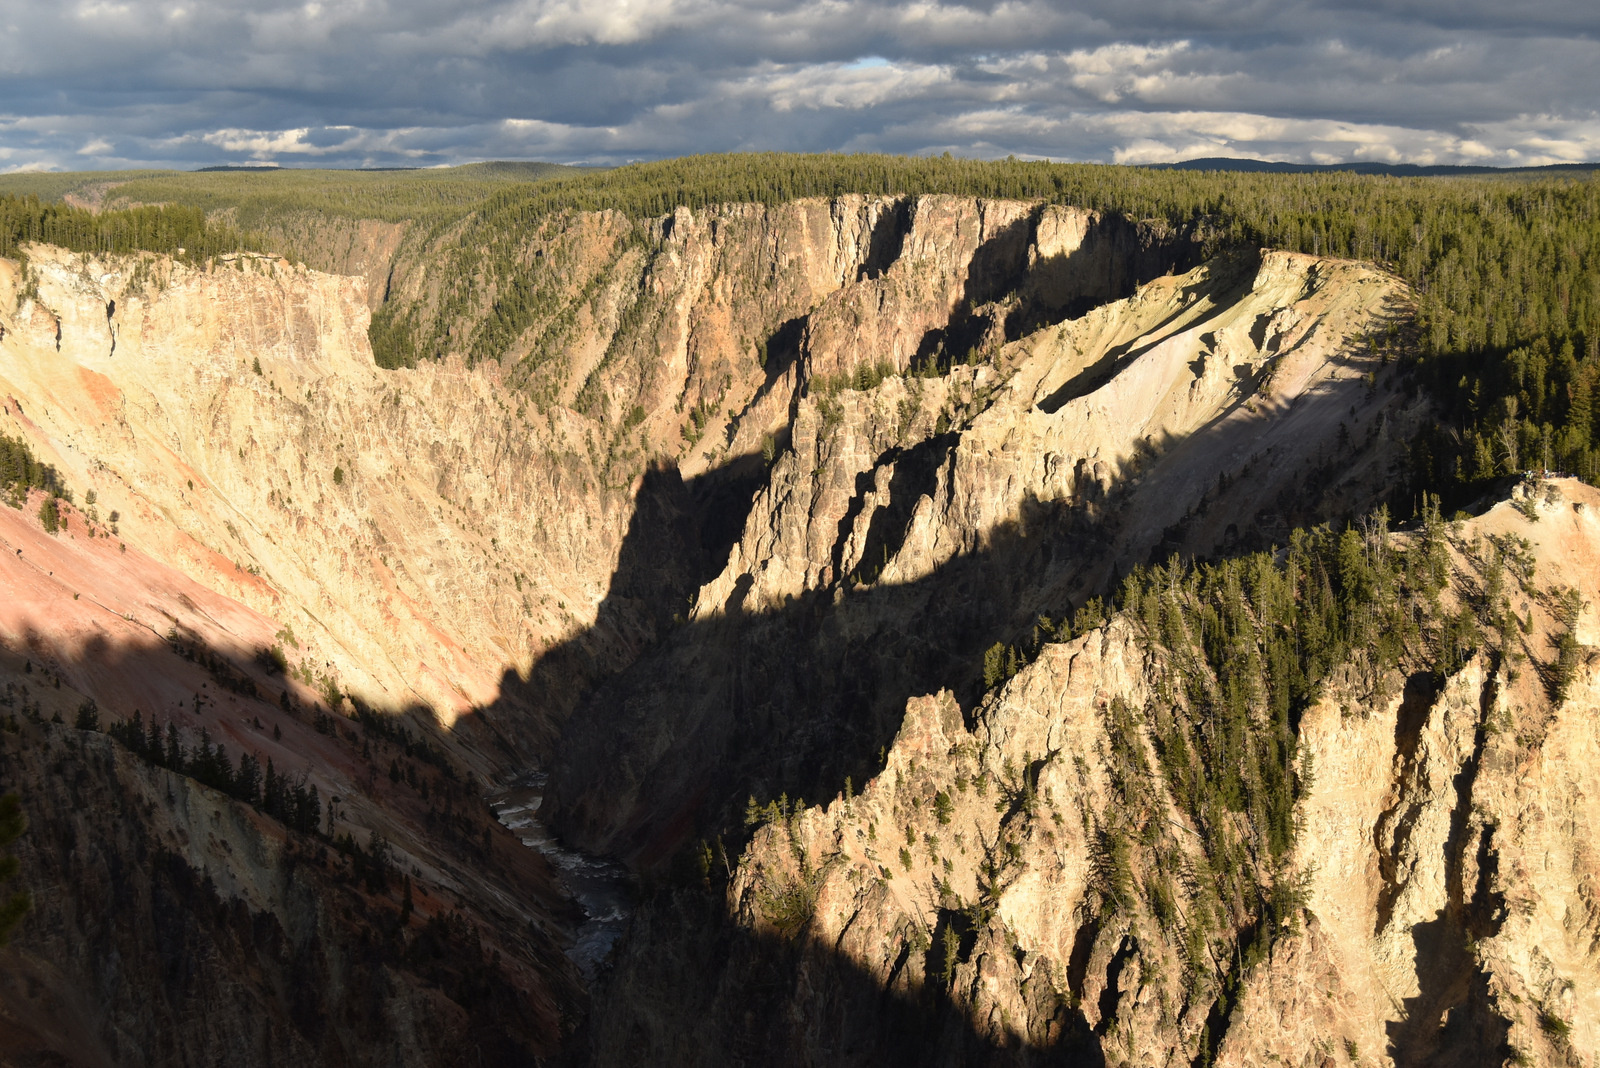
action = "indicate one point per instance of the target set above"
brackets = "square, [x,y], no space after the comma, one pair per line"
[797,698]
[671,998]
[677,540]
[1010,291]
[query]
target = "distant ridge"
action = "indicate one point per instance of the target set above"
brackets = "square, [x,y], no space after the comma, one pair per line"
[498,167]
[1393,170]
[258,168]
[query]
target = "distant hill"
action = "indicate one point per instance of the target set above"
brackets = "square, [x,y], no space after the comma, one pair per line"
[499,168]
[1394,170]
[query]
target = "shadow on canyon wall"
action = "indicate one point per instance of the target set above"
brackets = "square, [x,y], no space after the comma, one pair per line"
[667,727]
[1007,294]
[134,953]
[680,533]
[798,701]
[795,700]
[690,987]
[801,699]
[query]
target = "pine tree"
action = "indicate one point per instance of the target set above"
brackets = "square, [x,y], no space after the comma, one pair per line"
[1580,407]
[175,757]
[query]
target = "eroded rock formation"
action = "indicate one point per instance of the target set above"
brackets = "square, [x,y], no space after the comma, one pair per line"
[725,509]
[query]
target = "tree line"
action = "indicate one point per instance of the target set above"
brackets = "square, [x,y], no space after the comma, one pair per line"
[1505,270]
[173,229]
[288,799]
[21,470]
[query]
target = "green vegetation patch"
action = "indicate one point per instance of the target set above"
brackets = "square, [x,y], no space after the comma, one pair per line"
[259,197]
[175,229]
[21,471]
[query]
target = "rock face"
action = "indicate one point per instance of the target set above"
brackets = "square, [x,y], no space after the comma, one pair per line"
[427,534]
[714,512]
[1447,912]
[233,419]
[269,531]
[910,526]
[175,921]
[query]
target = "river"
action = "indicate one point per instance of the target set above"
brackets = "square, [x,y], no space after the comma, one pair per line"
[601,887]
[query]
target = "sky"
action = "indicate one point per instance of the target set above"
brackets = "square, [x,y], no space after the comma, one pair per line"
[97,84]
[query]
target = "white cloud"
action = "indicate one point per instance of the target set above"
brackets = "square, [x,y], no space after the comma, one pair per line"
[835,85]
[581,22]
[261,144]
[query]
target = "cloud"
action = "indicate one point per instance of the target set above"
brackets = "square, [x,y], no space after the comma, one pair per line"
[853,86]
[421,82]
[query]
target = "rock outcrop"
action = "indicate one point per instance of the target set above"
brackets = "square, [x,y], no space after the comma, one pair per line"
[910,526]
[1442,856]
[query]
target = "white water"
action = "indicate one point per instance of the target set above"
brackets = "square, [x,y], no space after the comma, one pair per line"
[600,886]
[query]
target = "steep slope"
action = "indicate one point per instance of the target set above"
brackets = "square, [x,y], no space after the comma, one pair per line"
[911,526]
[1029,882]
[269,531]
[308,908]
[422,531]
[308,489]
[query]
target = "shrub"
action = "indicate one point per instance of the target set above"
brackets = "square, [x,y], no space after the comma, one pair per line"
[273,659]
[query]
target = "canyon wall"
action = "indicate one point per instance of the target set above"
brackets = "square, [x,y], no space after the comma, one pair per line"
[910,526]
[709,514]
[392,585]
[966,905]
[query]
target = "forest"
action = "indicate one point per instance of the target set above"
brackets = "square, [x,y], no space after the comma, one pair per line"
[175,229]
[255,198]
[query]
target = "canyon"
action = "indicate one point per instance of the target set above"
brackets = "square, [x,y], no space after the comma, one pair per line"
[692,518]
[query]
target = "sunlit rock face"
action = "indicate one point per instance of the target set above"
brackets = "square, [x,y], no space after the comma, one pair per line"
[740,517]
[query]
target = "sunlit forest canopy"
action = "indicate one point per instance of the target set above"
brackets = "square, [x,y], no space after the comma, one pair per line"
[168,228]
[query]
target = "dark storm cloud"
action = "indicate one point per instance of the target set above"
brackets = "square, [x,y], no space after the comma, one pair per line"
[98,83]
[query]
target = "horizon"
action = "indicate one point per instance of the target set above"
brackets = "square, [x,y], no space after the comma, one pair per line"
[1222,163]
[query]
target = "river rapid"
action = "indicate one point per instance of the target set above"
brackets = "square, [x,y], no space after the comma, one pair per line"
[602,887]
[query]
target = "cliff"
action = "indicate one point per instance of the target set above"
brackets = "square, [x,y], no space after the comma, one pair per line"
[912,525]
[1026,879]
[427,533]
